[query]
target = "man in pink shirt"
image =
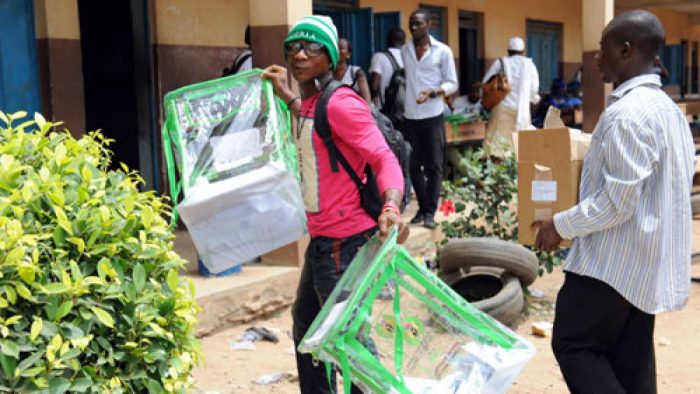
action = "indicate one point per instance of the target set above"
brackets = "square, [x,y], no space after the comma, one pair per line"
[337,223]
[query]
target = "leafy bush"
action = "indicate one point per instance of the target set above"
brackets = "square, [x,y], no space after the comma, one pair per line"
[90,297]
[485,197]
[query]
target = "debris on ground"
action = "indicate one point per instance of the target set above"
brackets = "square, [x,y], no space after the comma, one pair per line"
[241,345]
[542,329]
[535,293]
[274,378]
[253,334]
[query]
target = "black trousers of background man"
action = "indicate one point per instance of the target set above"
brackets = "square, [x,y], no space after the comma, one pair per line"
[427,139]
[603,343]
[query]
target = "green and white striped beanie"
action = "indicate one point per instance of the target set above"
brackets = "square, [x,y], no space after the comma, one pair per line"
[316,28]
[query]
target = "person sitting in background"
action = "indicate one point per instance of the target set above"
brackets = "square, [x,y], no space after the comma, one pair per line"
[474,98]
[557,98]
[348,74]
[573,90]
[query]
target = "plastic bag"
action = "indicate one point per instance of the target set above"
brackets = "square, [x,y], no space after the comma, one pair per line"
[427,339]
[229,150]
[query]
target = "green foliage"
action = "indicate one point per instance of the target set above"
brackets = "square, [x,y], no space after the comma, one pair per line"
[90,297]
[485,196]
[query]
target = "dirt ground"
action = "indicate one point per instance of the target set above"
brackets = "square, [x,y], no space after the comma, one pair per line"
[677,339]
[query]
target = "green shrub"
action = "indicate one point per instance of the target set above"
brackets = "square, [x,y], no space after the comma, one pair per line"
[485,197]
[90,297]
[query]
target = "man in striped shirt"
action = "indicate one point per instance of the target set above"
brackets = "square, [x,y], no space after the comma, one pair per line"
[632,227]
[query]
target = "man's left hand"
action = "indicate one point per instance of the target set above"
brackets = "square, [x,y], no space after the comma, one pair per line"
[423,96]
[389,218]
[548,238]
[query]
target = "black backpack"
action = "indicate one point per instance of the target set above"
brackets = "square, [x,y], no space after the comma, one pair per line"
[395,93]
[372,201]
[237,63]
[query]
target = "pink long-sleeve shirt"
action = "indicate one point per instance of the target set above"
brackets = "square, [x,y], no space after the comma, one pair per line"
[332,200]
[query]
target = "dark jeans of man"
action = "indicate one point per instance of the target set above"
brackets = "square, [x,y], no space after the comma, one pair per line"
[325,261]
[602,342]
[427,139]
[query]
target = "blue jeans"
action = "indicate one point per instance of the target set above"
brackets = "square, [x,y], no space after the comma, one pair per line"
[325,261]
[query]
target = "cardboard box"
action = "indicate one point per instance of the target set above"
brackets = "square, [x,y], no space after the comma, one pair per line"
[461,132]
[549,171]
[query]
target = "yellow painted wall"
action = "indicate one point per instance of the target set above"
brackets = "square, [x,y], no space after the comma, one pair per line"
[676,25]
[502,20]
[278,12]
[56,19]
[201,22]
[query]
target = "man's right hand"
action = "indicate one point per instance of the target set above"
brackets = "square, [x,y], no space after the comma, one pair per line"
[278,76]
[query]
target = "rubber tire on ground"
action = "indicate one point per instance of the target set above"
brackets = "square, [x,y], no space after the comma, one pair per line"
[695,203]
[490,252]
[506,305]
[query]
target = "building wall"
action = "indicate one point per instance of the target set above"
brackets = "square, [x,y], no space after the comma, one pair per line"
[60,62]
[678,28]
[195,40]
[502,20]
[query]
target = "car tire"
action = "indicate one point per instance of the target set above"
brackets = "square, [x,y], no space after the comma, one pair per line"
[490,252]
[506,305]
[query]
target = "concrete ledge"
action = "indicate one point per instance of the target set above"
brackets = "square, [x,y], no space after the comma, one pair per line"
[256,292]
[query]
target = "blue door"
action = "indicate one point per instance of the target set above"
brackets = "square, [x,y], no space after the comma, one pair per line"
[544,47]
[19,87]
[383,22]
[357,26]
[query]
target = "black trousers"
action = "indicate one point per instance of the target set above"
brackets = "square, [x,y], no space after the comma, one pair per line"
[325,261]
[603,343]
[427,139]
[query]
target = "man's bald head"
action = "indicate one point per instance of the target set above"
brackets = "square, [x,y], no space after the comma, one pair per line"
[641,29]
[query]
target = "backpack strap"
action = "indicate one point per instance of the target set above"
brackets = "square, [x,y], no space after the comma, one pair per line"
[392,59]
[238,63]
[323,129]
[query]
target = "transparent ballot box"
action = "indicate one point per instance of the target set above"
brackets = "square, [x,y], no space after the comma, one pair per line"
[427,339]
[229,152]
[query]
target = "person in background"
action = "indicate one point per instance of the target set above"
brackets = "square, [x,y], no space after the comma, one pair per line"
[474,98]
[337,223]
[348,74]
[660,69]
[573,91]
[632,229]
[381,67]
[513,113]
[430,76]
[556,98]
[244,59]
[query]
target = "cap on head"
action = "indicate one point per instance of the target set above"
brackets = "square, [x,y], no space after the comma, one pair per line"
[317,28]
[516,44]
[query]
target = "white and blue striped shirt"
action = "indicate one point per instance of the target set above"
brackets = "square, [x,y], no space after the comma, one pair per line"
[632,226]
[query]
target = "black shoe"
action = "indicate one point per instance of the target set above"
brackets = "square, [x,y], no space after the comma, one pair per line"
[429,222]
[418,218]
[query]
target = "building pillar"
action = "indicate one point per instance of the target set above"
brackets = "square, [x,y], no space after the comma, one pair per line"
[60,63]
[596,14]
[270,20]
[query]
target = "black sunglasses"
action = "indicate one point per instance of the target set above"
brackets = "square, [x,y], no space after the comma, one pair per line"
[312,49]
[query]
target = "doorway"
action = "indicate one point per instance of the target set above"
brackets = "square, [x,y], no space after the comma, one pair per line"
[19,85]
[471,59]
[544,47]
[118,82]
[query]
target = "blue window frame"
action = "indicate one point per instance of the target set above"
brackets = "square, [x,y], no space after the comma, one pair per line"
[673,57]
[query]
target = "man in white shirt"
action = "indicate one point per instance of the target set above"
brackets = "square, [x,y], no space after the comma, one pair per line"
[382,68]
[430,76]
[513,113]
[632,228]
